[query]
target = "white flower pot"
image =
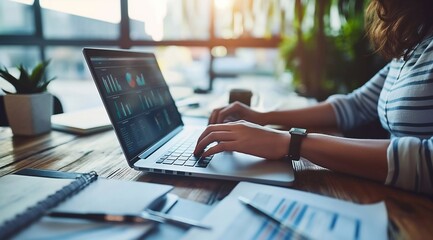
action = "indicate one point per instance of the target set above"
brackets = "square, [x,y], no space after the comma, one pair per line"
[29,114]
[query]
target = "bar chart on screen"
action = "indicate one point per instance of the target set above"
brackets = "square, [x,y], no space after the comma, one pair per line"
[146,102]
[311,221]
[111,84]
[123,110]
[140,80]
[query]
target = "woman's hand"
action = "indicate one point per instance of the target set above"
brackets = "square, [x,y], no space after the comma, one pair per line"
[244,137]
[233,112]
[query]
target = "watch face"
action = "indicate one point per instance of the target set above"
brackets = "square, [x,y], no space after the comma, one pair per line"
[298,131]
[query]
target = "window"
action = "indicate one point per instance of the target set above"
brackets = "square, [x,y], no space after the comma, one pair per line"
[12,56]
[16,17]
[67,63]
[252,19]
[182,66]
[194,41]
[258,61]
[81,19]
[169,19]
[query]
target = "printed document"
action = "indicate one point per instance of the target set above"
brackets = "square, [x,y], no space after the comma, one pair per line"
[312,215]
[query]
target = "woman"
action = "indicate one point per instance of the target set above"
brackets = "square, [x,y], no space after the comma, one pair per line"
[400,96]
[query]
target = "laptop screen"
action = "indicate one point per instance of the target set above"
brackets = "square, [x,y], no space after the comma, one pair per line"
[136,97]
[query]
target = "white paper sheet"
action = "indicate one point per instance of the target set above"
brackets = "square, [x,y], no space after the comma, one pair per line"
[316,216]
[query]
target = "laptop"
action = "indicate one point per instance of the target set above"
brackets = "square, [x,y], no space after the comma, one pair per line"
[151,131]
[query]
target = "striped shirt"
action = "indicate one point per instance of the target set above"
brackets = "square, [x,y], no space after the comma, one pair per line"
[401,96]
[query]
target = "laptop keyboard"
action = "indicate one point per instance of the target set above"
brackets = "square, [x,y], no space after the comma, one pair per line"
[182,154]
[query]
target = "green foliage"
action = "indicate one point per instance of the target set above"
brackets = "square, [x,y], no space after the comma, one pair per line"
[28,83]
[325,61]
[350,61]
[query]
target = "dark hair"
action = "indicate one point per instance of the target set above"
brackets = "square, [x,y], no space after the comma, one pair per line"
[395,27]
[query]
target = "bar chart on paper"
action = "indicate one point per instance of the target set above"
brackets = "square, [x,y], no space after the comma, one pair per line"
[316,223]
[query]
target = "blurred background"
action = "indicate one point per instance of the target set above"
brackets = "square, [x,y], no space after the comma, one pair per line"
[315,47]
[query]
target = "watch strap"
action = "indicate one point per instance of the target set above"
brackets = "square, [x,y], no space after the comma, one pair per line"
[297,135]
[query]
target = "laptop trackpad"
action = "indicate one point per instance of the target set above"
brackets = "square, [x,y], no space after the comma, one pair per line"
[240,164]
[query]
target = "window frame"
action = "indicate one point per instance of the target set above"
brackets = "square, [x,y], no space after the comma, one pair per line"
[125,42]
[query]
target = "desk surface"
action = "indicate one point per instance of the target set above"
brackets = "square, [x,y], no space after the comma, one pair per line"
[411,213]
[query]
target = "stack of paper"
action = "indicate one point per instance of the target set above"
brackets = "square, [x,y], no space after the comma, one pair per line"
[82,122]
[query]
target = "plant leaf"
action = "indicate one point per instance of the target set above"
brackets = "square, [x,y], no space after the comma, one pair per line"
[24,79]
[39,71]
[44,84]
[43,87]
[7,76]
[28,83]
[4,73]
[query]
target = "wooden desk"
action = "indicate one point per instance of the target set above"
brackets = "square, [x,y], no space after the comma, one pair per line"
[411,213]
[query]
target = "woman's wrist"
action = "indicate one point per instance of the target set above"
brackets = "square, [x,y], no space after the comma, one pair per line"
[286,143]
[283,147]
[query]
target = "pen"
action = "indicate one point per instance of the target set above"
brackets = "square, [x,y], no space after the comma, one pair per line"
[269,216]
[144,217]
[102,217]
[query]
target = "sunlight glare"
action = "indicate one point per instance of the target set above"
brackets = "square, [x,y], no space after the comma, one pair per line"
[152,13]
[103,10]
[223,4]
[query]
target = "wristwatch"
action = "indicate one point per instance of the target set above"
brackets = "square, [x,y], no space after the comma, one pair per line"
[297,134]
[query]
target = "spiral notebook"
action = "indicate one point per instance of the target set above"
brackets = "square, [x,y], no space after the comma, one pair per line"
[29,194]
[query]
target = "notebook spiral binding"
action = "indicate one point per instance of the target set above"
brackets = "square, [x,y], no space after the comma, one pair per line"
[32,214]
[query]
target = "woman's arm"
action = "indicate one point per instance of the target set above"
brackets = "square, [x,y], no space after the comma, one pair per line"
[340,111]
[365,158]
[361,157]
[410,164]
[321,115]
[318,116]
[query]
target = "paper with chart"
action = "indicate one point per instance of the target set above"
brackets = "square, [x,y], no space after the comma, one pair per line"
[311,221]
[315,216]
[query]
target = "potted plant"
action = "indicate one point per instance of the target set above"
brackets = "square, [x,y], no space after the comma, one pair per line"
[29,109]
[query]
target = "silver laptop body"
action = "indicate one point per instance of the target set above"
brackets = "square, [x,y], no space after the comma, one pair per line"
[151,131]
